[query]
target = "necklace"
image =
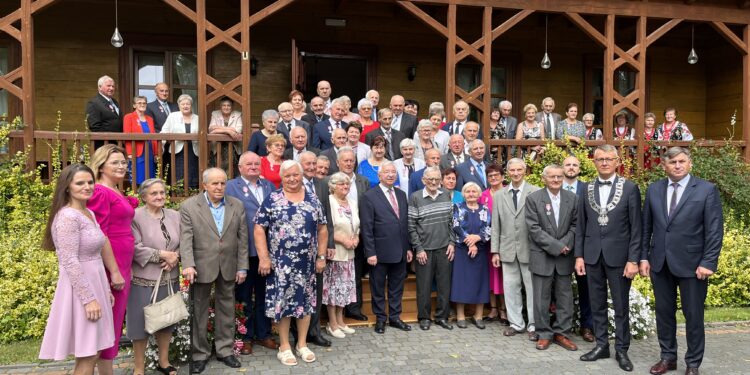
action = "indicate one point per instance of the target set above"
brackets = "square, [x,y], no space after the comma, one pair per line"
[603,219]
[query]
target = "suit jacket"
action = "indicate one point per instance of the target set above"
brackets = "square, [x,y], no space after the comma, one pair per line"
[202,247]
[468,173]
[510,236]
[333,157]
[384,234]
[155,110]
[237,188]
[449,124]
[321,137]
[692,236]
[547,238]
[511,124]
[449,161]
[408,125]
[174,124]
[619,241]
[311,120]
[362,184]
[547,131]
[281,128]
[101,117]
[289,152]
[131,124]
[397,138]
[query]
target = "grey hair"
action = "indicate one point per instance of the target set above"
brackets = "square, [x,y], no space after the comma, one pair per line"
[345,149]
[336,179]
[548,99]
[267,114]
[588,115]
[208,171]
[289,164]
[550,167]
[432,169]
[382,111]
[364,101]
[470,185]
[305,154]
[323,158]
[516,161]
[607,149]
[285,104]
[245,155]
[102,80]
[673,152]
[386,163]
[504,102]
[185,97]
[338,101]
[437,106]
[145,185]
[407,142]
[424,124]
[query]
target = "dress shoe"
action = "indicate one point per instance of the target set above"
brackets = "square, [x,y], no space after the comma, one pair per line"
[247,348]
[356,315]
[479,323]
[380,327]
[444,323]
[510,331]
[565,342]
[319,341]
[623,361]
[543,344]
[461,324]
[692,371]
[663,366]
[337,333]
[268,343]
[230,361]
[424,324]
[587,334]
[533,336]
[198,367]
[598,352]
[400,325]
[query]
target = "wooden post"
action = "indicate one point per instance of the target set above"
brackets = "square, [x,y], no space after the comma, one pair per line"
[450,62]
[27,63]
[640,85]
[746,95]
[245,72]
[200,25]
[608,71]
[487,72]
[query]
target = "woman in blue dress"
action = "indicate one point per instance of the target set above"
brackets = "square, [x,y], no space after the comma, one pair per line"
[291,238]
[370,167]
[138,122]
[270,118]
[470,280]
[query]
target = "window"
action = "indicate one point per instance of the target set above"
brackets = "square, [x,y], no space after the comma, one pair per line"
[178,69]
[624,82]
[469,76]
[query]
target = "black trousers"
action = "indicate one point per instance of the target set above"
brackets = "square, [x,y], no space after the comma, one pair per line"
[360,266]
[583,302]
[437,268]
[390,277]
[693,296]
[600,275]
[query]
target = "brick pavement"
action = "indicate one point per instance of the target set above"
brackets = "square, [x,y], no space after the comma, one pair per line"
[462,351]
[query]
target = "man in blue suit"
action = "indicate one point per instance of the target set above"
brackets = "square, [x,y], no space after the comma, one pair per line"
[252,190]
[384,227]
[474,169]
[160,108]
[683,229]
[321,132]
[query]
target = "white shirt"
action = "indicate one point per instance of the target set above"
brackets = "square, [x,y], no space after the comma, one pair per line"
[573,187]
[520,190]
[604,190]
[388,195]
[555,205]
[396,122]
[295,153]
[548,116]
[309,185]
[333,124]
[683,184]
[352,195]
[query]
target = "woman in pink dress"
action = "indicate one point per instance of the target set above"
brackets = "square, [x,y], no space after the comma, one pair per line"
[80,319]
[495,179]
[114,212]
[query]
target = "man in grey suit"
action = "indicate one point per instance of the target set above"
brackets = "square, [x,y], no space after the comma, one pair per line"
[510,247]
[548,118]
[214,251]
[403,122]
[510,122]
[551,220]
[456,154]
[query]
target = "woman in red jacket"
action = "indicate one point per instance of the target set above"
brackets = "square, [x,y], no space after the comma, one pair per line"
[139,122]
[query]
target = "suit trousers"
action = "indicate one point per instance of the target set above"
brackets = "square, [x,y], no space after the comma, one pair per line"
[515,273]
[253,293]
[360,267]
[223,321]
[437,268]
[693,296]
[599,275]
[584,305]
[543,287]
[388,276]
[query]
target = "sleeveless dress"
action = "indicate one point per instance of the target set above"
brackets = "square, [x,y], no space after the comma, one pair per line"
[82,279]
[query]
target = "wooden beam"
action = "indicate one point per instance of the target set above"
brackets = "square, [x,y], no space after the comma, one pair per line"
[510,22]
[27,63]
[200,29]
[640,84]
[486,72]
[12,31]
[586,27]
[424,17]
[245,72]
[267,11]
[729,35]
[14,74]
[663,29]
[746,96]
[41,4]
[450,60]
[14,90]
[608,79]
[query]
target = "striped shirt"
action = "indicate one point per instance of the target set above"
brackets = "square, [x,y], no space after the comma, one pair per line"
[430,221]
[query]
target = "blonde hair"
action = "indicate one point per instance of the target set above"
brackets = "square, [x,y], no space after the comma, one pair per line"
[101,155]
[276,138]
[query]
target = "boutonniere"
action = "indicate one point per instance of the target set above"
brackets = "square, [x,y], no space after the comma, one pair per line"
[244,190]
[161,109]
[329,128]
[548,208]
[111,108]
[471,169]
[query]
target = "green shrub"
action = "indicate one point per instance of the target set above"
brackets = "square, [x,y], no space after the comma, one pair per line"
[730,285]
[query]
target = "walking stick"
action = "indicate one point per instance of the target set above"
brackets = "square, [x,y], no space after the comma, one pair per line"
[191,314]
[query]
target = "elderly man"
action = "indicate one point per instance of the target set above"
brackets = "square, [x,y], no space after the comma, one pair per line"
[339,139]
[287,122]
[433,240]
[456,153]
[323,130]
[392,136]
[324,92]
[431,159]
[160,108]
[548,118]
[460,118]
[214,252]
[403,122]
[607,251]
[316,112]
[251,190]
[509,122]
[551,215]
[683,229]
[510,247]
[298,139]
[475,168]
[321,166]
[471,132]
[374,97]
[385,235]
[103,113]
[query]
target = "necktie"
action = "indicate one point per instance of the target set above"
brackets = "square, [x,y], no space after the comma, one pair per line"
[673,200]
[410,169]
[515,198]
[389,146]
[480,169]
[569,188]
[550,127]
[166,107]
[600,182]
[556,209]
[338,124]
[392,198]
[310,187]
[289,126]
[114,106]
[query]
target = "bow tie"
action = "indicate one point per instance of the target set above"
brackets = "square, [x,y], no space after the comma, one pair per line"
[600,182]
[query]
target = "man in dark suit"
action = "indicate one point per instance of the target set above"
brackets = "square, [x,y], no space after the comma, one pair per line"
[287,122]
[474,169]
[551,220]
[431,159]
[471,132]
[607,251]
[385,234]
[683,229]
[160,108]
[322,130]
[316,112]
[251,190]
[392,136]
[103,113]
[298,139]
[510,122]
[339,141]
[403,122]
[548,118]
[460,117]
[456,153]
[571,169]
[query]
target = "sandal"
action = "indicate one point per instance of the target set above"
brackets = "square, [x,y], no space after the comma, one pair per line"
[306,354]
[169,370]
[286,357]
[491,318]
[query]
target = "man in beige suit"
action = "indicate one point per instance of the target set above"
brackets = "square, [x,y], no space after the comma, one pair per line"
[510,247]
[213,247]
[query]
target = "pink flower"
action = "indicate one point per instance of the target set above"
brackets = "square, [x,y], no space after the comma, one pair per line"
[241,329]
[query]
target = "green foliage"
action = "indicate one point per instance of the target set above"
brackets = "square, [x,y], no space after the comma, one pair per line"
[730,285]
[555,155]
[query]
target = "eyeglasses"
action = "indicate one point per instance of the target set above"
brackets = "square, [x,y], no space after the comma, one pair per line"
[140,103]
[608,160]
[118,163]
[554,177]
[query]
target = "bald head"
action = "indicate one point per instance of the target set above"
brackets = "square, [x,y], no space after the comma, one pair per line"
[397,105]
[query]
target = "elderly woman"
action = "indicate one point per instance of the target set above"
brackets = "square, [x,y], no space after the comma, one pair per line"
[348,116]
[227,121]
[353,136]
[450,178]
[297,98]
[365,109]
[80,318]
[114,213]
[407,165]
[622,129]
[157,242]
[138,122]
[291,239]
[270,165]
[570,126]
[370,166]
[651,134]
[673,130]
[270,119]
[470,282]
[530,128]
[184,121]
[423,139]
[339,288]
[495,180]
[497,131]
[592,133]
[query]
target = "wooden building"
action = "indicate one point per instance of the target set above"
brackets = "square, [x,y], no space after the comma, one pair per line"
[607,55]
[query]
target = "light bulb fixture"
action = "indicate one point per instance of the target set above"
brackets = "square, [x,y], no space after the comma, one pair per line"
[116,40]
[546,62]
[692,57]
[411,72]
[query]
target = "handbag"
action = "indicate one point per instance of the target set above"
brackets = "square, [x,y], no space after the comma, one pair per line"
[166,312]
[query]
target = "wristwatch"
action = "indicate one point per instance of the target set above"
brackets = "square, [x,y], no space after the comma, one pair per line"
[321,257]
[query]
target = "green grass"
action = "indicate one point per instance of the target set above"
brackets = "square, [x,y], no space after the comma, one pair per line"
[722,314]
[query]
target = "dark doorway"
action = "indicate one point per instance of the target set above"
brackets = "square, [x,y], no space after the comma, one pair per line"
[348,76]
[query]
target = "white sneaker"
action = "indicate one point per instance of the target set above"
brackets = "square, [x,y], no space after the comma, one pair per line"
[335,333]
[347,330]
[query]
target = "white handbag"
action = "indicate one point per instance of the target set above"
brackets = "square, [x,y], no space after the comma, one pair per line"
[166,312]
